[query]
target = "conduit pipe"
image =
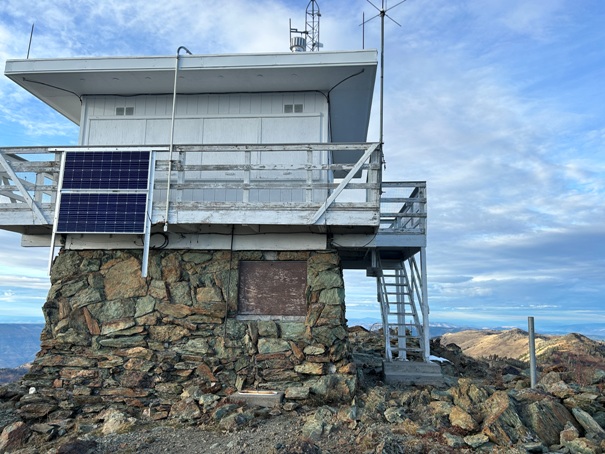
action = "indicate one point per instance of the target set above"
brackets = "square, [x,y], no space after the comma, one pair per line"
[176,78]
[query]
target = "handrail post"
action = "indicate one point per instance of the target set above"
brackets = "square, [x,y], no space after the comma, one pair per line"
[532,352]
[248,162]
[309,190]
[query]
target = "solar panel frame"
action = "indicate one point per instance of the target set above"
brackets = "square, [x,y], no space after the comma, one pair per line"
[104,192]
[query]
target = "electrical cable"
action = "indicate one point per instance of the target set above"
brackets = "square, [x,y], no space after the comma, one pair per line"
[164,244]
[327,95]
[54,86]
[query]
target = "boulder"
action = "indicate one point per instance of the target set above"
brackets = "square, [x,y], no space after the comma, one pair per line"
[583,446]
[569,433]
[477,440]
[460,418]
[269,345]
[547,418]
[395,415]
[115,422]
[185,410]
[14,436]
[78,447]
[502,424]
[591,427]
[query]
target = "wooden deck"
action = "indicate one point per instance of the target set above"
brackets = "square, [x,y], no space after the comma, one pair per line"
[280,185]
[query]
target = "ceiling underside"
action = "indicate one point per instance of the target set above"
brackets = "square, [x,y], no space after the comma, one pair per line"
[347,77]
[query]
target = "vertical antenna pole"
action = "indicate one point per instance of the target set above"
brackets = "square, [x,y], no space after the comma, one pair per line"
[363,30]
[382,14]
[31,35]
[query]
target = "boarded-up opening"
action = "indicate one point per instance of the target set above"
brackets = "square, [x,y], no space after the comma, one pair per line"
[272,288]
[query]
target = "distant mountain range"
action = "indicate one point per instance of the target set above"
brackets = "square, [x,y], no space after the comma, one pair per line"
[19,343]
[591,330]
[550,349]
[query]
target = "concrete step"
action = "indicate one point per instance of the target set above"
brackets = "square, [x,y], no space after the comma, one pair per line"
[412,373]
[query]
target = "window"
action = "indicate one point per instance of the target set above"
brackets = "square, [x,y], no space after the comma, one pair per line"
[272,288]
[120,111]
[293,108]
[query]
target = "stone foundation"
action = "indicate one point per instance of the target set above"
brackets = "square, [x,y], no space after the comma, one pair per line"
[113,338]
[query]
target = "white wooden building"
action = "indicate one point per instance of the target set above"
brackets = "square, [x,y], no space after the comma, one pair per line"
[247,152]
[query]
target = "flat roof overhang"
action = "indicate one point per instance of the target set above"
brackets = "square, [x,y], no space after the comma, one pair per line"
[348,77]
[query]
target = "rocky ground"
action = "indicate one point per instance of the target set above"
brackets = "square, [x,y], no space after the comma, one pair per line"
[484,406]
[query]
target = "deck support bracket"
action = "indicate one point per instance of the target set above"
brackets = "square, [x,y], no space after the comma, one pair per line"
[26,196]
[345,181]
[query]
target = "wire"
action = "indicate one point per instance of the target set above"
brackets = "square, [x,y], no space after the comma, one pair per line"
[345,79]
[208,93]
[53,86]
[164,244]
[330,103]
[334,243]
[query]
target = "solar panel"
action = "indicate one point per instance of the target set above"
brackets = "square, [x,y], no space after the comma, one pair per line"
[104,192]
[102,213]
[106,170]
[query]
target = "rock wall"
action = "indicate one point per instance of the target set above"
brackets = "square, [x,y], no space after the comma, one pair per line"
[113,338]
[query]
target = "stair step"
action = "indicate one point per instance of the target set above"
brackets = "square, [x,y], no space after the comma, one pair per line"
[415,350]
[409,372]
[407,326]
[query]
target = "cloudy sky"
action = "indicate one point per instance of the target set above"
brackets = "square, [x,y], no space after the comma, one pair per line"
[498,104]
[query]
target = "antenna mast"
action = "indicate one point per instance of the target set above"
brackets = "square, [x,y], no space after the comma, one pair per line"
[312,26]
[309,38]
[382,13]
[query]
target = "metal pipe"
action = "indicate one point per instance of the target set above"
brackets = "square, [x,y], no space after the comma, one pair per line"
[382,14]
[532,351]
[176,77]
[31,35]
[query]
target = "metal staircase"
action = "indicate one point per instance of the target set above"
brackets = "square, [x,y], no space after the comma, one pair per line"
[402,298]
[402,294]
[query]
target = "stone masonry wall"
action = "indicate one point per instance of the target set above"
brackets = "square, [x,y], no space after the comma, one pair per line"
[113,338]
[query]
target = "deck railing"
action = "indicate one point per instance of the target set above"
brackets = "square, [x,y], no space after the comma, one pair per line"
[403,207]
[259,184]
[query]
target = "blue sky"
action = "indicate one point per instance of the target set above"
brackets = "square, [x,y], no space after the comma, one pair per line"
[498,105]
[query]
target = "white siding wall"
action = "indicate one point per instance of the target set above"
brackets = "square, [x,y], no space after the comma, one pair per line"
[197,117]
[215,119]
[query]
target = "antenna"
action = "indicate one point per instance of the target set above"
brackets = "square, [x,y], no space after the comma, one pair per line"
[309,38]
[31,35]
[312,26]
[382,12]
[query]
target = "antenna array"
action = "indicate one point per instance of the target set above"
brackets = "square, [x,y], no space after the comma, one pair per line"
[309,38]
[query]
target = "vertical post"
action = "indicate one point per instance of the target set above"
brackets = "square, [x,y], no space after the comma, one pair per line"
[309,189]
[532,351]
[424,305]
[56,214]
[148,214]
[248,163]
[400,280]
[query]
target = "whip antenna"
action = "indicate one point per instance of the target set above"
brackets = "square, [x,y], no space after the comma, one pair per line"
[382,13]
